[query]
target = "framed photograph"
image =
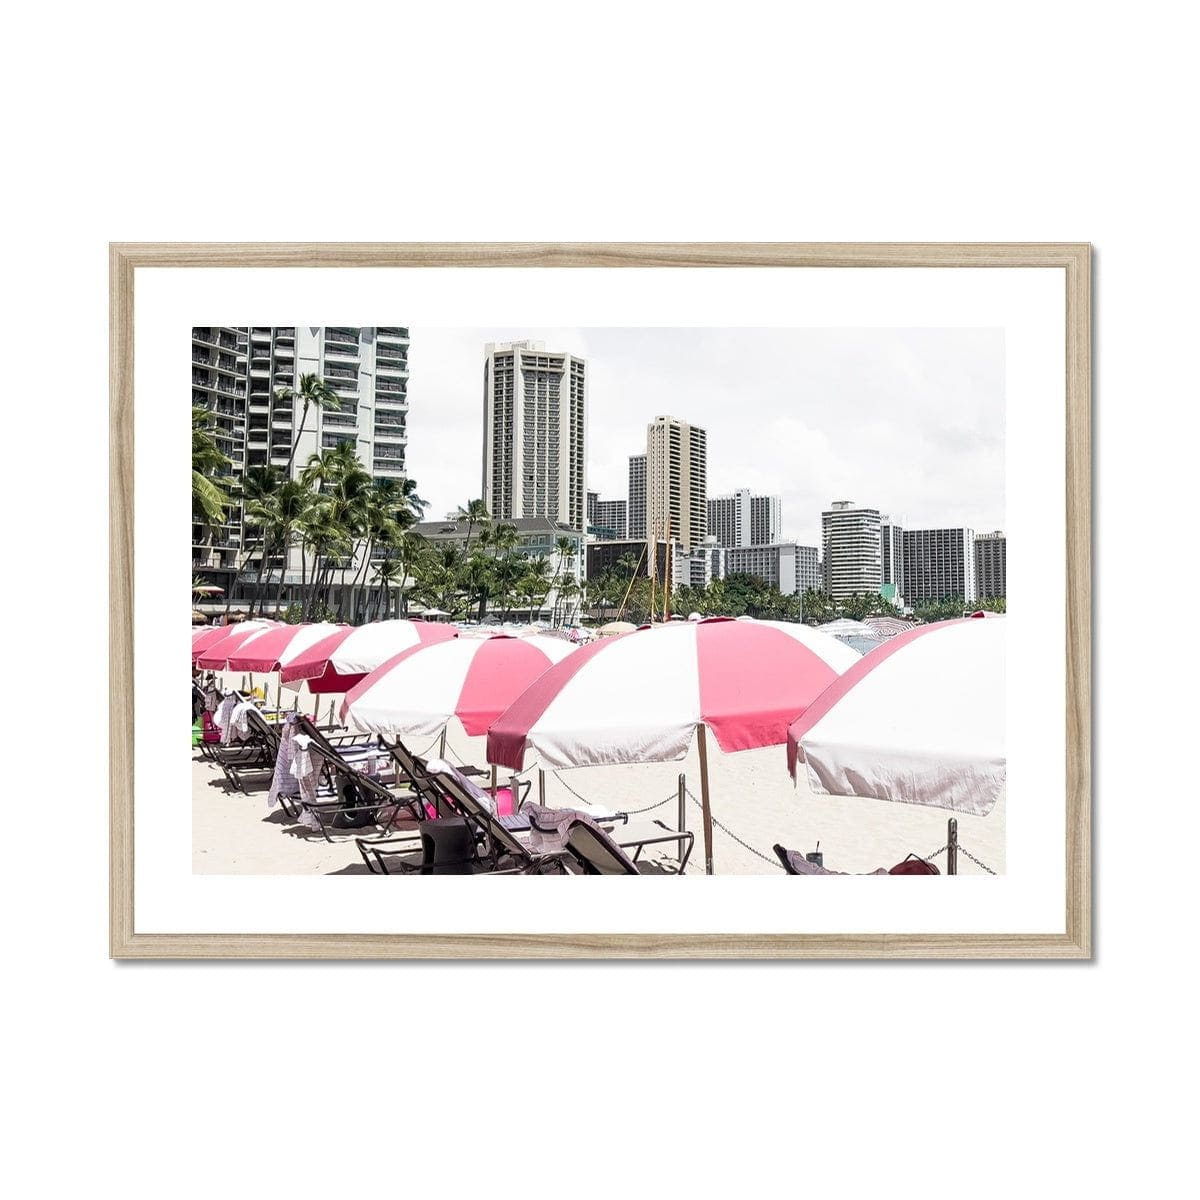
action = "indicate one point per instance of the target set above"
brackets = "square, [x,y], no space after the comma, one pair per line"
[684,561]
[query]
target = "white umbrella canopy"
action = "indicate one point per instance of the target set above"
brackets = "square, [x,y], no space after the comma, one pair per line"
[474,679]
[919,721]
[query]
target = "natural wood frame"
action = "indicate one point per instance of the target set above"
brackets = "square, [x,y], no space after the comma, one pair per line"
[1075,261]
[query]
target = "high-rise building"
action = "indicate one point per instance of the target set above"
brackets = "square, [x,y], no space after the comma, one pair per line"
[891,545]
[744,519]
[219,384]
[238,373]
[939,564]
[534,434]
[677,482]
[851,550]
[785,566]
[637,496]
[991,568]
[608,519]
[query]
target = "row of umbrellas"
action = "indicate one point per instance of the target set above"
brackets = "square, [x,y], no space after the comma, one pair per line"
[920,719]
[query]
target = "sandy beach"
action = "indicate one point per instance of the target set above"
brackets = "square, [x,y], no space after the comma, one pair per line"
[751,794]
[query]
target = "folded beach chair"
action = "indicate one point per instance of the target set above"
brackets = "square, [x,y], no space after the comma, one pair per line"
[794,863]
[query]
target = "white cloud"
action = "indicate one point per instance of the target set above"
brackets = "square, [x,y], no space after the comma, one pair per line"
[908,420]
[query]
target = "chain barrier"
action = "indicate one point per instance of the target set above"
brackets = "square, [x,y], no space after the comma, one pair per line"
[629,812]
[729,833]
[931,857]
[976,861]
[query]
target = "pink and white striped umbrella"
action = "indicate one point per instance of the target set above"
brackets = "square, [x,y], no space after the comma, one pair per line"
[919,720]
[475,679]
[340,661]
[641,696]
[278,646]
[213,654]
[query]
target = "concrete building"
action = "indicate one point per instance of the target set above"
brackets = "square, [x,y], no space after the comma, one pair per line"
[629,557]
[991,576]
[851,550]
[606,518]
[676,482]
[534,434]
[744,519]
[785,566]
[238,373]
[939,564]
[891,546]
[219,384]
[698,567]
[636,513]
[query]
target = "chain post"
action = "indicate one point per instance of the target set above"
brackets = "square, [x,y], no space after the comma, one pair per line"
[682,813]
[952,846]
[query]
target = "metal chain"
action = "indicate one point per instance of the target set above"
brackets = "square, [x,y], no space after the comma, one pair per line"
[729,833]
[963,850]
[931,857]
[629,812]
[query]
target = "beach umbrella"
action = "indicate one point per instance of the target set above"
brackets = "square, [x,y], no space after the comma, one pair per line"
[278,646]
[615,628]
[887,627]
[341,660]
[920,720]
[211,649]
[416,693]
[642,696]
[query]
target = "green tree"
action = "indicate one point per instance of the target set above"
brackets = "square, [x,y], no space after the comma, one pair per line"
[314,391]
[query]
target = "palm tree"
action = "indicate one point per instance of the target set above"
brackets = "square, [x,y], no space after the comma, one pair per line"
[565,548]
[209,500]
[475,513]
[313,390]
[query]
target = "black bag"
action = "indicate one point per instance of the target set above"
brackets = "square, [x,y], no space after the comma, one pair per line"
[355,811]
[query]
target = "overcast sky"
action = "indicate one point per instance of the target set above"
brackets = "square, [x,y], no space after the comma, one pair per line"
[910,421]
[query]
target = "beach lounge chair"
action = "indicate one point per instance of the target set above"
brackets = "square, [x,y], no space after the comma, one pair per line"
[254,755]
[496,845]
[794,863]
[357,797]
[596,851]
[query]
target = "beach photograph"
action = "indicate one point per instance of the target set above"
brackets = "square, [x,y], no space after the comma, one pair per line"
[578,601]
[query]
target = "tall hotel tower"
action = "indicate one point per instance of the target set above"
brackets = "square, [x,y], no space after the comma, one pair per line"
[851,550]
[676,482]
[534,434]
[637,497]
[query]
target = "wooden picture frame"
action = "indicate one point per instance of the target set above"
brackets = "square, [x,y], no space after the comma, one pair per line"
[1074,259]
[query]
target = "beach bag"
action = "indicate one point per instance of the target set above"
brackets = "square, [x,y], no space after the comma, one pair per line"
[352,798]
[913,865]
[211,732]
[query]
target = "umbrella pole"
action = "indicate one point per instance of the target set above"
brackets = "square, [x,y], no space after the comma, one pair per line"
[541,787]
[442,743]
[493,783]
[708,829]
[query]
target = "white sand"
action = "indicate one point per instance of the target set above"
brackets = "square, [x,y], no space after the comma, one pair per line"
[751,793]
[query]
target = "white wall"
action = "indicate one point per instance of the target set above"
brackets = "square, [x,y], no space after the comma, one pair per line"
[912,122]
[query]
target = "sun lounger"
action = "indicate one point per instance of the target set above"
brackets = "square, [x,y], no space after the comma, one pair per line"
[794,863]
[596,851]
[497,848]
